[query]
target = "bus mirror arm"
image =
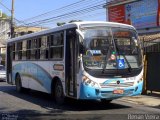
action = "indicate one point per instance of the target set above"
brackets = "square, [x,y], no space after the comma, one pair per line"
[80,34]
[79,62]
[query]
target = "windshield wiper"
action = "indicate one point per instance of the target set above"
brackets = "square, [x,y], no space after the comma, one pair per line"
[129,66]
[105,63]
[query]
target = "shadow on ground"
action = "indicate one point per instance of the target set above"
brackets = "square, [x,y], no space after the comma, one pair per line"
[45,101]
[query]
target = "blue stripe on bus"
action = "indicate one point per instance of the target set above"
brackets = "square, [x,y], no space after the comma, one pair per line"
[35,72]
[88,92]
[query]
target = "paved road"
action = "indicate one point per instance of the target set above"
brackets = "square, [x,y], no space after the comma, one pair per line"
[36,105]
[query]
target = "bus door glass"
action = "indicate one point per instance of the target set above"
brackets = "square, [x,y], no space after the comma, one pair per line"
[70,63]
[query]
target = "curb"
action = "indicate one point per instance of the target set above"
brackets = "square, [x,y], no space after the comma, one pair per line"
[143,100]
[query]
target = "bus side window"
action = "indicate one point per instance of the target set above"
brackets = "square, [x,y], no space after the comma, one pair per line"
[51,46]
[28,51]
[47,47]
[38,48]
[14,49]
[46,54]
[24,50]
[44,48]
[33,48]
[19,50]
[56,46]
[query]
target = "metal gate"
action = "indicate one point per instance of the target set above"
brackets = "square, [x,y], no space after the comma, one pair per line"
[152,65]
[153,72]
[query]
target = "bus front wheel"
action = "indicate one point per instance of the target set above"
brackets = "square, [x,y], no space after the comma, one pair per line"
[58,93]
[18,83]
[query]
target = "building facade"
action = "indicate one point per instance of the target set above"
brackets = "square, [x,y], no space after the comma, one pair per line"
[144,15]
[4,31]
[23,30]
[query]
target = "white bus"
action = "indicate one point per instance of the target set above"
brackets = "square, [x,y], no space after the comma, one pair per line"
[81,60]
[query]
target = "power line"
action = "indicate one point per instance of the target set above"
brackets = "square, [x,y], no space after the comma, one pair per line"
[53,10]
[70,14]
[5,7]
[95,15]
[81,3]
[59,16]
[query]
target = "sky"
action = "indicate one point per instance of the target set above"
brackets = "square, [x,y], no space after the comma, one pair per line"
[25,9]
[28,8]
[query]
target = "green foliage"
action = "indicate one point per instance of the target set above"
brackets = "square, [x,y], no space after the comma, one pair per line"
[4,16]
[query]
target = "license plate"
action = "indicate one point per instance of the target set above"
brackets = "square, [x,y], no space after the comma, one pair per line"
[118,91]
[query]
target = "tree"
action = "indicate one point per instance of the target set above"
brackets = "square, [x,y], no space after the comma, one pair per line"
[4,16]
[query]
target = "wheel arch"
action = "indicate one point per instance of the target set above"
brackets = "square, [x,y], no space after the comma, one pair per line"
[54,80]
[15,76]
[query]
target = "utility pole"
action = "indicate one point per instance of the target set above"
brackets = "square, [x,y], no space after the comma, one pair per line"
[12,20]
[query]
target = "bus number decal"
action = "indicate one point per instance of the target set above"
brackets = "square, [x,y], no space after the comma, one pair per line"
[58,67]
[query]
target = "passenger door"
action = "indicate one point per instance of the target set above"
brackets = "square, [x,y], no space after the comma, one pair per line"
[71,63]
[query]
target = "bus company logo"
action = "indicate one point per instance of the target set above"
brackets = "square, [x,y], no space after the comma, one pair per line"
[118,82]
[109,81]
[58,67]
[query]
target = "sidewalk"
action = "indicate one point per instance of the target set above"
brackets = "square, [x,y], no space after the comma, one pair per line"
[152,100]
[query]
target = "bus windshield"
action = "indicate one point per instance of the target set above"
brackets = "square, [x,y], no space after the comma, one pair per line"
[109,48]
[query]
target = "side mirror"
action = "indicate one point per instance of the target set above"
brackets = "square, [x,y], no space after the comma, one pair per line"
[135,40]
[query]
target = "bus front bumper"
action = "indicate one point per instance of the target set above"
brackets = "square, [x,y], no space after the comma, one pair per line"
[88,92]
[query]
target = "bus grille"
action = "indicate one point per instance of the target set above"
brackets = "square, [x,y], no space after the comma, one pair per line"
[109,94]
[111,85]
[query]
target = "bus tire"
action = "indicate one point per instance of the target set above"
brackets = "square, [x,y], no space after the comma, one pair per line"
[105,101]
[58,93]
[18,83]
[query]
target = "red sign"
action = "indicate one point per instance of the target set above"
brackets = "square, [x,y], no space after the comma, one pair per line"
[158,14]
[117,13]
[118,91]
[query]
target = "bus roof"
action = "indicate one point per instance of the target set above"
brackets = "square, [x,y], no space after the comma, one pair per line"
[71,25]
[99,23]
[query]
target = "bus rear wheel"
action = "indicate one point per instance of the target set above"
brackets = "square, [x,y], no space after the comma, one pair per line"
[18,84]
[58,93]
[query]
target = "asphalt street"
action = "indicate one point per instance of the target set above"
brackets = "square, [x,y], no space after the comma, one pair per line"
[37,105]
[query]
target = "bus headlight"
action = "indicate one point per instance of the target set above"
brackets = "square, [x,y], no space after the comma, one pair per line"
[89,82]
[140,80]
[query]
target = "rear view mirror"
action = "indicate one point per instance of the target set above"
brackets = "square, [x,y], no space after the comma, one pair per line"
[135,41]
